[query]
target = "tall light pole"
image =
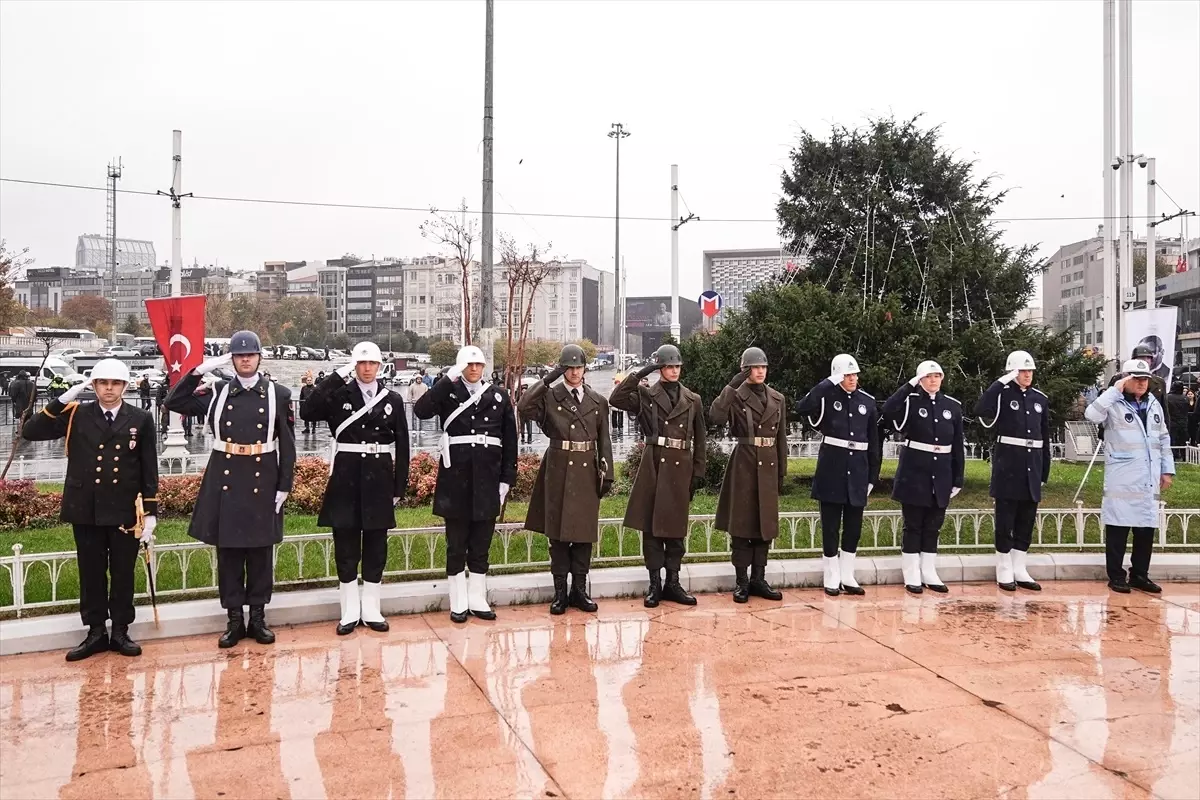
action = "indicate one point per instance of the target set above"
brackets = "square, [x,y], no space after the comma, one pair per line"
[485,242]
[1112,296]
[1151,259]
[618,132]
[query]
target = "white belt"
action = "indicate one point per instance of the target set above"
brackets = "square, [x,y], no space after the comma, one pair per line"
[1034,443]
[235,449]
[928,448]
[846,443]
[390,449]
[480,439]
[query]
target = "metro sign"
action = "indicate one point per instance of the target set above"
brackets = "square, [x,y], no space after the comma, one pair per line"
[710,303]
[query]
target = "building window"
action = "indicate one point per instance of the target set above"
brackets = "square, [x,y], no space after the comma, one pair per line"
[1099,337]
[1087,315]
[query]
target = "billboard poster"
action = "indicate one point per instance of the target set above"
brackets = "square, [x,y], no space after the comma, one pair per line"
[650,313]
[1155,328]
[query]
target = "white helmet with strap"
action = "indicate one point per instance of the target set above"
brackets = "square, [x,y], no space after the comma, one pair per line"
[1019,359]
[366,351]
[929,367]
[470,355]
[844,364]
[110,369]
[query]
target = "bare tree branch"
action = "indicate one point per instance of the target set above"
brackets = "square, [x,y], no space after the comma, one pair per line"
[458,233]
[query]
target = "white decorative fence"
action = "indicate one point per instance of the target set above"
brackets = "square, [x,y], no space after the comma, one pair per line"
[188,569]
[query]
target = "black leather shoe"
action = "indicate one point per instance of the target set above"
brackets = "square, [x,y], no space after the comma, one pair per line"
[918,589]
[345,629]
[674,591]
[1141,582]
[257,629]
[1119,585]
[120,642]
[579,596]
[96,641]
[1032,586]
[1011,586]
[653,591]
[759,586]
[379,627]
[560,602]
[940,588]
[855,590]
[741,592]
[459,618]
[235,631]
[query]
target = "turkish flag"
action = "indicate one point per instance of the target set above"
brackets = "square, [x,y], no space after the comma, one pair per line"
[178,324]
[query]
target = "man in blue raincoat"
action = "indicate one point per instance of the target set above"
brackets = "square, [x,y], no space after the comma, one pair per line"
[1137,467]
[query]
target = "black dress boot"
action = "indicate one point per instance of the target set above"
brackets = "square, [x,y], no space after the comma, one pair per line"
[120,642]
[759,586]
[673,590]
[741,592]
[560,602]
[257,629]
[579,596]
[95,642]
[654,591]
[235,631]
[1136,581]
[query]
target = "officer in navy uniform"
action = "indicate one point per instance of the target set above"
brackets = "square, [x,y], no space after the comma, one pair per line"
[847,466]
[479,465]
[1020,417]
[248,478]
[111,459]
[368,476]
[930,472]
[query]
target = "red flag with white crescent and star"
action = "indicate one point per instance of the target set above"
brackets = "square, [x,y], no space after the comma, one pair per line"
[178,324]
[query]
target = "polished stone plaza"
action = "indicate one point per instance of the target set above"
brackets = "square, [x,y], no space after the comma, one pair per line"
[1073,693]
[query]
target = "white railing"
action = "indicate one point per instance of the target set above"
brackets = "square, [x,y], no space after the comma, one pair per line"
[188,569]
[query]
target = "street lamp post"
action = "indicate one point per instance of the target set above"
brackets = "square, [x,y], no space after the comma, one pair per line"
[618,132]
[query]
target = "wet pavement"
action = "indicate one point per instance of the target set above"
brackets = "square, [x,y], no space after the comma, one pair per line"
[1072,693]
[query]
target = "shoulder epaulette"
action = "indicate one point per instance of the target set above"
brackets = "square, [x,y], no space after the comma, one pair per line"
[868,394]
[948,397]
[1039,391]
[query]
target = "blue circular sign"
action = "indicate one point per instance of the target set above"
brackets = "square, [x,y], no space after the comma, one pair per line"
[710,303]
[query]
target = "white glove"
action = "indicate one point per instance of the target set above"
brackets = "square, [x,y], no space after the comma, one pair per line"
[836,378]
[870,488]
[345,369]
[211,364]
[279,498]
[455,372]
[149,523]
[914,381]
[73,392]
[503,492]
[396,501]
[954,491]
[1009,377]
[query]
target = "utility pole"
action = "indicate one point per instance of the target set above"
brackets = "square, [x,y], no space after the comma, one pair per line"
[1112,297]
[485,273]
[1151,258]
[114,175]
[175,445]
[675,226]
[1125,12]
[618,132]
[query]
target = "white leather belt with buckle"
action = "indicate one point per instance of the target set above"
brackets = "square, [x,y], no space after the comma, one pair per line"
[928,448]
[1034,443]
[846,443]
[673,444]
[366,448]
[235,449]
[575,447]
[481,439]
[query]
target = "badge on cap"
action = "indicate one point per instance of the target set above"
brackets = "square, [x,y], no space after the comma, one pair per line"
[837,405]
[1037,407]
[1014,405]
[923,412]
[862,410]
[946,414]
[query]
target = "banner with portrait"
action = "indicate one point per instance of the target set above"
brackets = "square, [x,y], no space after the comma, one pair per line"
[1155,328]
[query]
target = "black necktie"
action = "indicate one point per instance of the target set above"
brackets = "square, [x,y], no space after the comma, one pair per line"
[108,415]
[578,396]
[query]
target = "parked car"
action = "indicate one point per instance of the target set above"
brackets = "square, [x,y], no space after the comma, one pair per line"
[149,349]
[118,351]
[67,354]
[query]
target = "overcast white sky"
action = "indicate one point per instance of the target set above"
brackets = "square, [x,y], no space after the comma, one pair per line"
[381,103]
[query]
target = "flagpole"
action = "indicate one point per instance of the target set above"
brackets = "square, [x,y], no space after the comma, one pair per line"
[175,446]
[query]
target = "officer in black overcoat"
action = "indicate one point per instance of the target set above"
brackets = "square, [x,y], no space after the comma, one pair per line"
[1019,416]
[479,465]
[930,472]
[847,466]
[111,459]
[249,475]
[368,477]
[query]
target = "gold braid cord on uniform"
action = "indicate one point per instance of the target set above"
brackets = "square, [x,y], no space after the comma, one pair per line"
[70,407]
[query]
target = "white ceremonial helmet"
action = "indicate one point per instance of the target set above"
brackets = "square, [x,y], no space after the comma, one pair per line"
[1137,368]
[366,351]
[844,364]
[110,369]
[929,368]
[471,355]
[1019,359]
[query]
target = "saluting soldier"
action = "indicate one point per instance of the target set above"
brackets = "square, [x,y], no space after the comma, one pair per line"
[671,418]
[847,466]
[748,507]
[248,478]
[368,475]
[111,459]
[576,471]
[1020,415]
[479,465]
[930,472]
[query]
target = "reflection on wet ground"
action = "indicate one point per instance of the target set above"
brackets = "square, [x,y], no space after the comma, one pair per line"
[1071,693]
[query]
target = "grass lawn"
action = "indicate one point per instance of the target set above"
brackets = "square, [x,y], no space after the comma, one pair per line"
[422,552]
